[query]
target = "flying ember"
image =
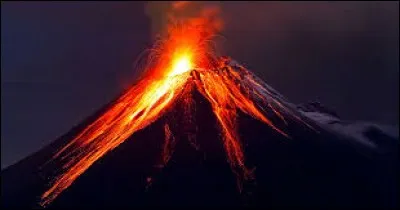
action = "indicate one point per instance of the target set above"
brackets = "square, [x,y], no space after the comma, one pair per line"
[184,49]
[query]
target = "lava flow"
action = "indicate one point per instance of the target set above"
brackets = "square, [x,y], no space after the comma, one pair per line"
[184,53]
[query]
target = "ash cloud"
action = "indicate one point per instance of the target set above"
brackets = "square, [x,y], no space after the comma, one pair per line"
[164,13]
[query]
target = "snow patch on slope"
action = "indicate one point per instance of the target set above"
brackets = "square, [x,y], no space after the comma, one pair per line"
[368,134]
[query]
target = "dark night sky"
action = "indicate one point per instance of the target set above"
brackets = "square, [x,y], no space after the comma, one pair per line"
[61,61]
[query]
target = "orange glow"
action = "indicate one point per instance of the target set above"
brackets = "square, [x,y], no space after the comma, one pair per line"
[181,65]
[184,49]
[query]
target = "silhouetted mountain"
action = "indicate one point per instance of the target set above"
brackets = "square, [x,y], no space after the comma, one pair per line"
[311,169]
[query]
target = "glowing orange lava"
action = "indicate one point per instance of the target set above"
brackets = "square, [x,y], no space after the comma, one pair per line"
[184,50]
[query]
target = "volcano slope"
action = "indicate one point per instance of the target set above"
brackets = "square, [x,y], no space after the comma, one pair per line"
[320,165]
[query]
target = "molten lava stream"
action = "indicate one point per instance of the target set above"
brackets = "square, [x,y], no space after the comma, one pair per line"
[138,108]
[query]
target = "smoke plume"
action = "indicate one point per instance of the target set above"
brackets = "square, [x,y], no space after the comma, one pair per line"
[164,13]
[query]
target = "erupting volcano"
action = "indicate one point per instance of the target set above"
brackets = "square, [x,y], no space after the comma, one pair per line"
[182,77]
[180,62]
